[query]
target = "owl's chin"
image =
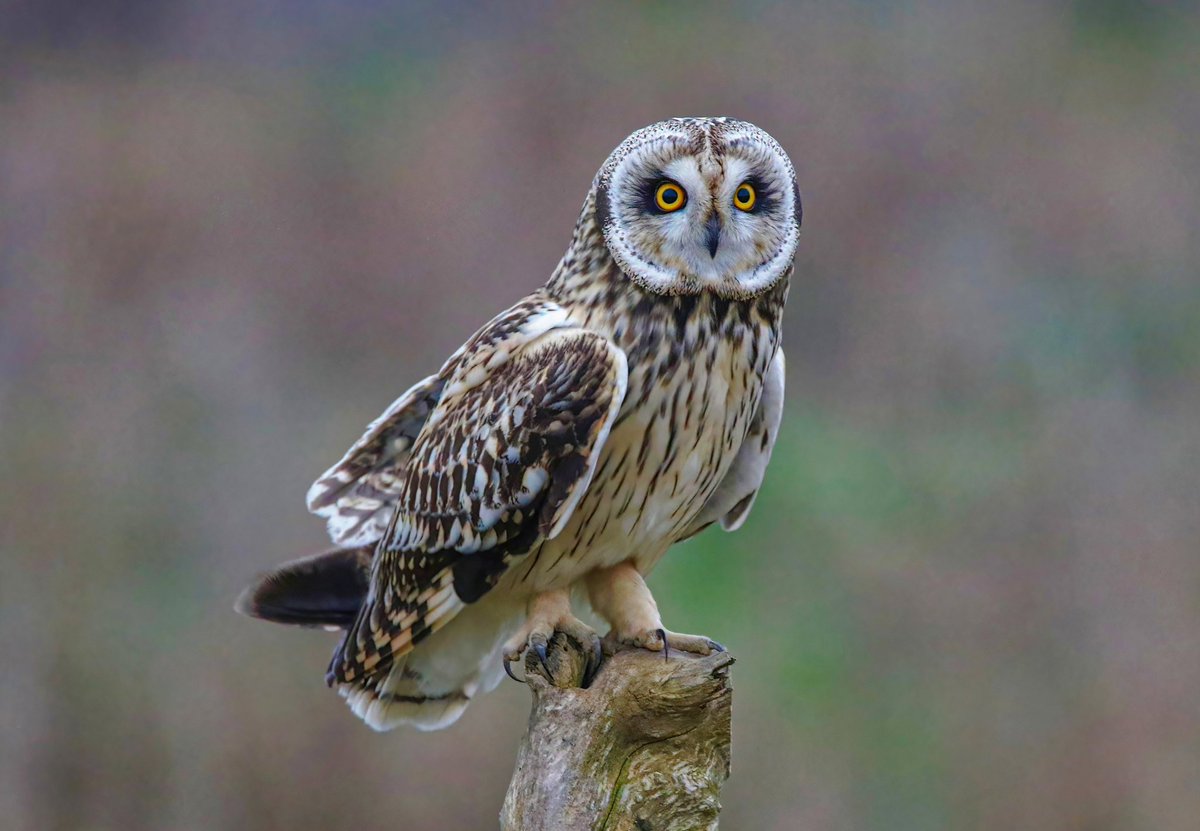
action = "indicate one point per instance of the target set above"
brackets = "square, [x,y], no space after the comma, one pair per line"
[738,283]
[737,273]
[738,286]
[729,280]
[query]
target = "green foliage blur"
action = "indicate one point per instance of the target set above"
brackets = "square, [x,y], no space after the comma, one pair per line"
[232,232]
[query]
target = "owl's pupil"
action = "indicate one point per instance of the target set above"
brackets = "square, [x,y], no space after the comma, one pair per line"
[743,195]
[670,196]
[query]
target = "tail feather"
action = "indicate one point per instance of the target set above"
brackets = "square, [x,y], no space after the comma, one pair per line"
[323,590]
[430,687]
[402,696]
[429,684]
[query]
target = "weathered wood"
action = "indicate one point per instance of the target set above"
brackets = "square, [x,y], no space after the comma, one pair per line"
[644,748]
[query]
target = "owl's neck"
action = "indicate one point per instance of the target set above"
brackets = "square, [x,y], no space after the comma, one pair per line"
[590,285]
[642,322]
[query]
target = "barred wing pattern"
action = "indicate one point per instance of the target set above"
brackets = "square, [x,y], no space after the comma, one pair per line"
[501,463]
[357,495]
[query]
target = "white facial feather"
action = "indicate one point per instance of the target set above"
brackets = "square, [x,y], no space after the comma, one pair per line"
[710,158]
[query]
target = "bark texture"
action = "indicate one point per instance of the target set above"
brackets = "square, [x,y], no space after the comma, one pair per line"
[644,748]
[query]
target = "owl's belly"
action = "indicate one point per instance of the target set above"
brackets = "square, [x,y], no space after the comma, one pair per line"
[661,462]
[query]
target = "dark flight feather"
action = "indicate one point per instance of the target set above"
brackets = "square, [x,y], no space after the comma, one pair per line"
[323,590]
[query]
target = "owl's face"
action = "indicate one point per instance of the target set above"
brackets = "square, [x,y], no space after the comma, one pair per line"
[694,204]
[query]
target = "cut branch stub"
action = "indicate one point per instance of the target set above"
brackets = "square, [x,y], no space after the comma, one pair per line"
[644,748]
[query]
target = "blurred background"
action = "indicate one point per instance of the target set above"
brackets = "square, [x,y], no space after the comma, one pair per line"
[232,231]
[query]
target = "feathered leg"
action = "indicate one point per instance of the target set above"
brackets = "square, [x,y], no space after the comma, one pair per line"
[620,596]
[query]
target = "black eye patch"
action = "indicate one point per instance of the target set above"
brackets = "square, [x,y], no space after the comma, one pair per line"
[766,196]
[648,192]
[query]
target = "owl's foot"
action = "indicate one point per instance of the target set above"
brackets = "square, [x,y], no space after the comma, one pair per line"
[620,595]
[660,640]
[548,613]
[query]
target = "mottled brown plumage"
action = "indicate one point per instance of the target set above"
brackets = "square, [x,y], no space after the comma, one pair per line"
[628,404]
[503,460]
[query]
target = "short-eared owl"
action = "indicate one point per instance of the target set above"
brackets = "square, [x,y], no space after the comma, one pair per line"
[626,405]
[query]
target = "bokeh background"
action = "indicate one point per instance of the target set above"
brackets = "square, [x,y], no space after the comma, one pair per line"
[231,231]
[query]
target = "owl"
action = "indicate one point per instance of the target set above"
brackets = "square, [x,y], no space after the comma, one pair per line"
[549,464]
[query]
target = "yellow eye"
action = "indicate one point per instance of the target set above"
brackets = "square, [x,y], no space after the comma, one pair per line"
[669,197]
[744,197]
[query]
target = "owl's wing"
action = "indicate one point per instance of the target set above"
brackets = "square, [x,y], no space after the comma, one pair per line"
[357,496]
[731,502]
[500,465]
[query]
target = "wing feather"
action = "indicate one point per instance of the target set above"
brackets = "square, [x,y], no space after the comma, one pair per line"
[357,495]
[731,502]
[502,462]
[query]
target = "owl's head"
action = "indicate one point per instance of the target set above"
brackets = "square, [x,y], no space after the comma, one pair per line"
[690,204]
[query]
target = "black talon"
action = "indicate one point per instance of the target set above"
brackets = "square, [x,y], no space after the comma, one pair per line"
[511,674]
[716,647]
[540,648]
[662,633]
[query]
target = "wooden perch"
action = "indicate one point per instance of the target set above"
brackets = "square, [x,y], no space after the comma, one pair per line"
[644,748]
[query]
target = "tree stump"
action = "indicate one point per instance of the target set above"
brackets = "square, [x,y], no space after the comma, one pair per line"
[644,748]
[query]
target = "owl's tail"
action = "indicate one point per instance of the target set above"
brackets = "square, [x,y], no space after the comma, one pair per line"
[432,685]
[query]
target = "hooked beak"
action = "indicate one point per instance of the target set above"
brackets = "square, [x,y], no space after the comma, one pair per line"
[712,234]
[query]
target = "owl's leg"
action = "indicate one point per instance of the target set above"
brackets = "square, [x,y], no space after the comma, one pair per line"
[550,612]
[621,596]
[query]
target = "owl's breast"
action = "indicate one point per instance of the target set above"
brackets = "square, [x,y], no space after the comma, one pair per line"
[687,409]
